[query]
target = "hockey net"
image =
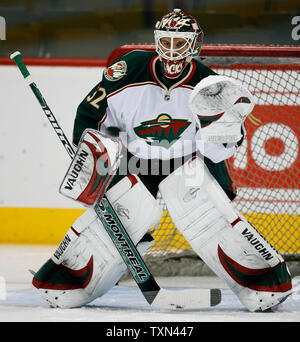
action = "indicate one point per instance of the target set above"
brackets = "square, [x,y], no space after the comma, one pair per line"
[266,168]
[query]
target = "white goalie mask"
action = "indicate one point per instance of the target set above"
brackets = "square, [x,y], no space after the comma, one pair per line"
[178,38]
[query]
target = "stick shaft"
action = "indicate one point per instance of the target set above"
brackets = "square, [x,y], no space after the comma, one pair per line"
[16,57]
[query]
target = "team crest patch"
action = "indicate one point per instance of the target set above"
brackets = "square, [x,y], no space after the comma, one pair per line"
[116,71]
[162,131]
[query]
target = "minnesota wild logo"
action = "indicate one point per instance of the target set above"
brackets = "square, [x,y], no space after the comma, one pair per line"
[162,131]
[116,71]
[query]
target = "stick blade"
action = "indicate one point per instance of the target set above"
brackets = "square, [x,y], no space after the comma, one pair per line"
[187,299]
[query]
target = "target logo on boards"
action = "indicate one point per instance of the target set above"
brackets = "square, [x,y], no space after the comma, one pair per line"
[269,157]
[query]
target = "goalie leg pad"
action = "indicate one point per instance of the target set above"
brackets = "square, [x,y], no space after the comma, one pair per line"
[87,264]
[223,239]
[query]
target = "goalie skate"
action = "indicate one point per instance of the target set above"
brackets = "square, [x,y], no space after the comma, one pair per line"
[276,300]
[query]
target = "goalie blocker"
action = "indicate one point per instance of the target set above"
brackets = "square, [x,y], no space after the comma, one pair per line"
[95,162]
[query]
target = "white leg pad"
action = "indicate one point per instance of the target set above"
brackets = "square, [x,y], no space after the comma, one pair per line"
[224,240]
[91,247]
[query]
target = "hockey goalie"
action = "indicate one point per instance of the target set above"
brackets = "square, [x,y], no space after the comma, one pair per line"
[180,122]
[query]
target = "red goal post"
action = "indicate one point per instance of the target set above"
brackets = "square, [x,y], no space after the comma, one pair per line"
[221,50]
[266,169]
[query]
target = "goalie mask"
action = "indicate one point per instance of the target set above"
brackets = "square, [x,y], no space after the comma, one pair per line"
[178,38]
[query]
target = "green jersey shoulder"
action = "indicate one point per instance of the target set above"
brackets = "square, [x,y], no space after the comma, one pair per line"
[201,72]
[131,68]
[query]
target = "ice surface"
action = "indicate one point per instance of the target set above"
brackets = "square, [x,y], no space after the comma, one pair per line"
[124,303]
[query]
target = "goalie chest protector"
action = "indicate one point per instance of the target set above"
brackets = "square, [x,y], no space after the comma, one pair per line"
[157,119]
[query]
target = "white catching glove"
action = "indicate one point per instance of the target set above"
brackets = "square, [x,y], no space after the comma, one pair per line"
[221,104]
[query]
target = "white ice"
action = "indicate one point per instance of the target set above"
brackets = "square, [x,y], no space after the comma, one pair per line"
[123,303]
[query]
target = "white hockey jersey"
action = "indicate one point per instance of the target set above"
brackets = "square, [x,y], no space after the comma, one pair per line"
[135,97]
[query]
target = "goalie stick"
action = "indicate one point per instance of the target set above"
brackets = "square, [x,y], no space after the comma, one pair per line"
[156,296]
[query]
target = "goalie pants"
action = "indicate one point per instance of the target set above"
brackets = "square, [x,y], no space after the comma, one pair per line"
[162,168]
